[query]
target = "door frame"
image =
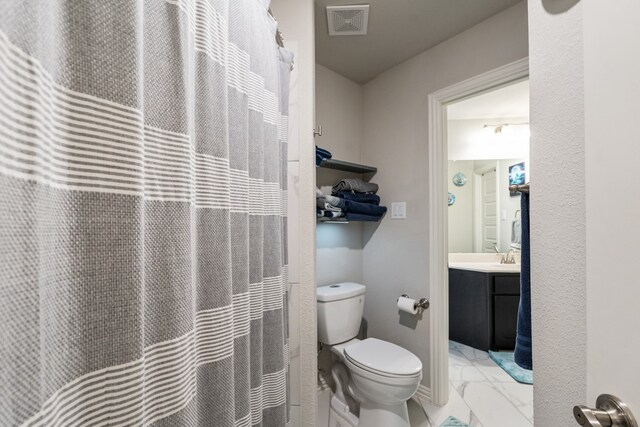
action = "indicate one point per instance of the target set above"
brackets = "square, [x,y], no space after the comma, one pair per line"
[438,221]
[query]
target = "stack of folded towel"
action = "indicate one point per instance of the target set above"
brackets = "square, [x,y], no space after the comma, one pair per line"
[352,199]
[321,154]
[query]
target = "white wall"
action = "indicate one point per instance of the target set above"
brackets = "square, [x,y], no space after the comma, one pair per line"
[469,140]
[339,109]
[558,214]
[295,20]
[461,212]
[395,140]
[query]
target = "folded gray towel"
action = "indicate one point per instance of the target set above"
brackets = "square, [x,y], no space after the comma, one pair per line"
[355,184]
[323,202]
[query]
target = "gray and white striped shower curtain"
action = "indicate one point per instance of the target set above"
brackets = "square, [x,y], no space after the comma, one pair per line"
[143,209]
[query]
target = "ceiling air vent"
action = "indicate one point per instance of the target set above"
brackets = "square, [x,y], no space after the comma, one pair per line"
[348,20]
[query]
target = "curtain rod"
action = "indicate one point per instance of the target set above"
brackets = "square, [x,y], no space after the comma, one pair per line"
[519,188]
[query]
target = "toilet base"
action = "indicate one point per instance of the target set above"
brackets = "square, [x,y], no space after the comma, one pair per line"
[377,415]
[370,415]
[340,415]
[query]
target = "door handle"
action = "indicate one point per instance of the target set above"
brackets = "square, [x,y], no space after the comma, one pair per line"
[610,412]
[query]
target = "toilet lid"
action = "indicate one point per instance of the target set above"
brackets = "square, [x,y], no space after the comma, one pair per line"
[384,357]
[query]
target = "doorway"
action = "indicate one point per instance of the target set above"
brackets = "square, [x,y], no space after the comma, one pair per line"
[440,182]
[487,138]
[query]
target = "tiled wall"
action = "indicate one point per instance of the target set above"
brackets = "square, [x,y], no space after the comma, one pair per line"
[295,20]
[294,245]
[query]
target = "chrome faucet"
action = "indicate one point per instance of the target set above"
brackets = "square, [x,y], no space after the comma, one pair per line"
[509,258]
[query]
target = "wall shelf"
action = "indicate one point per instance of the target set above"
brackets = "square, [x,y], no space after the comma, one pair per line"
[347,166]
[367,172]
[343,220]
[332,221]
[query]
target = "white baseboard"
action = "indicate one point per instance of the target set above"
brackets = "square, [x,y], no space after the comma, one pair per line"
[423,394]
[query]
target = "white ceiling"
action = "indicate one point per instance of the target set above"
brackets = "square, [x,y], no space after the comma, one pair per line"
[398,30]
[509,101]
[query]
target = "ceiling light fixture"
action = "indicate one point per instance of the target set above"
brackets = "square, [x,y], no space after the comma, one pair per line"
[500,126]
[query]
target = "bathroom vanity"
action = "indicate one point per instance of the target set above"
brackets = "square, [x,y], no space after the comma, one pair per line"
[483,304]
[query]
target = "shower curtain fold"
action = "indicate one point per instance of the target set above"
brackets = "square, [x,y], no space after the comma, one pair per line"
[143,264]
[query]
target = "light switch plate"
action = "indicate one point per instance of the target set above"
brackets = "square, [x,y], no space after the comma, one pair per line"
[399,210]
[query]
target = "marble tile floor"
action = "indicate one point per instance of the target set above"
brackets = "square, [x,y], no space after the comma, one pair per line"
[481,394]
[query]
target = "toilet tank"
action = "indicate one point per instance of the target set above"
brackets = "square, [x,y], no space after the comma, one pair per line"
[340,309]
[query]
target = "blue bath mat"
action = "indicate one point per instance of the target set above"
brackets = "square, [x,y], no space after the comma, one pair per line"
[504,359]
[453,422]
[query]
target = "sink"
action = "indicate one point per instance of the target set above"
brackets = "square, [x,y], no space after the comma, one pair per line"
[485,264]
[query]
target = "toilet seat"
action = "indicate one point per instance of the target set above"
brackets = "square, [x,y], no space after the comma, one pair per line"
[384,359]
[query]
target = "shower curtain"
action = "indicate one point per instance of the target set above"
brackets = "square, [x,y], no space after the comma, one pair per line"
[143,214]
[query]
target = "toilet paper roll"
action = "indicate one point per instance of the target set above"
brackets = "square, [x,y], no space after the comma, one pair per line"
[408,305]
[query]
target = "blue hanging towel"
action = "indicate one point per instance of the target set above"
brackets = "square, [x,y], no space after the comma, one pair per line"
[321,154]
[523,351]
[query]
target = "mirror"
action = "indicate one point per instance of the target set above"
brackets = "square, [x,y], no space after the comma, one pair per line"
[484,210]
[488,146]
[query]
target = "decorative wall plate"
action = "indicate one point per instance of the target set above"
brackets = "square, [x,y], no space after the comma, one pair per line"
[452,199]
[459,179]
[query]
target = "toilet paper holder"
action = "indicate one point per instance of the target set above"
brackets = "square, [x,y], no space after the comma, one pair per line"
[422,304]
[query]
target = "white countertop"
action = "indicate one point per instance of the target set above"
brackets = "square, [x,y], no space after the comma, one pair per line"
[485,263]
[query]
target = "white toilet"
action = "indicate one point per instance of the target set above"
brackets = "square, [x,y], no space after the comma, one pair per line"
[381,376]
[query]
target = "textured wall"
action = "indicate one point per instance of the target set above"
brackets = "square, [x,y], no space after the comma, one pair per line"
[395,140]
[558,269]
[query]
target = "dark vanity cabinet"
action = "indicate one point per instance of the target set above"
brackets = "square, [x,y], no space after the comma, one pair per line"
[483,308]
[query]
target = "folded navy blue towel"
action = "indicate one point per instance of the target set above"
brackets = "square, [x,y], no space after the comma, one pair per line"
[359,197]
[355,207]
[352,216]
[364,208]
